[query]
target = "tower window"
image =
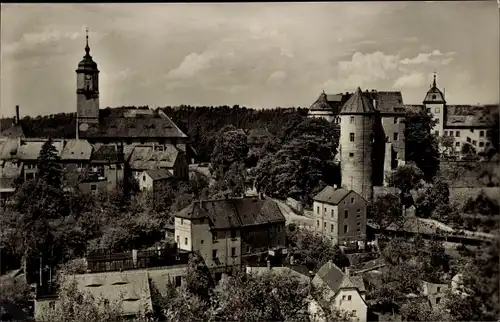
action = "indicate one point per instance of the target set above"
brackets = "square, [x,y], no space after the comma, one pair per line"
[351,154]
[331,228]
[214,253]
[333,213]
[457,134]
[395,120]
[351,137]
[351,121]
[346,229]
[433,96]
[396,136]
[481,134]
[346,213]
[436,110]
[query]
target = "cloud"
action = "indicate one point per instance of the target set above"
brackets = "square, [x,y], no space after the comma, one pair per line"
[192,65]
[422,57]
[413,80]
[277,77]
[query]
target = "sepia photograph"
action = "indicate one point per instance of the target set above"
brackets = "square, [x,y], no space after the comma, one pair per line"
[257,161]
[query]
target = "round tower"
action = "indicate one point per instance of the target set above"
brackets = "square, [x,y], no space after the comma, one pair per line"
[357,125]
[321,109]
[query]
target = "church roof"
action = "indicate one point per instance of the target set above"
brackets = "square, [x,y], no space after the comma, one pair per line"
[87,63]
[358,104]
[133,123]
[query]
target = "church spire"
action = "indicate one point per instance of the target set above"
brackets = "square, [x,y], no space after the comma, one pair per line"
[87,48]
[434,82]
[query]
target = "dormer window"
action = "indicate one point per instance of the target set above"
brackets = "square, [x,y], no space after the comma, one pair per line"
[433,96]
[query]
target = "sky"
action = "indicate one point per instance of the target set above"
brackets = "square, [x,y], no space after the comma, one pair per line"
[258,55]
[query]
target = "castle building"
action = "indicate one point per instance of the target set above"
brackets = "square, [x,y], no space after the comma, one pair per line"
[371,135]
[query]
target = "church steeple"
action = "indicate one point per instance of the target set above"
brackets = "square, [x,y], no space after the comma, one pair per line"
[87,48]
[434,82]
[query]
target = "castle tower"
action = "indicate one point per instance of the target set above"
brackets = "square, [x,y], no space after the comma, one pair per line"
[358,120]
[87,92]
[321,108]
[435,103]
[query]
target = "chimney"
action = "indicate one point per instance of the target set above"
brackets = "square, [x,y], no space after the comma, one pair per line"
[268,264]
[16,120]
[330,264]
[134,257]
[292,261]
[347,272]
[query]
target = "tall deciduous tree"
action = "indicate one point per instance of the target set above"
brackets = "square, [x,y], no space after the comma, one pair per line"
[421,144]
[435,196]
[230,147]
[406,178]
[385,210]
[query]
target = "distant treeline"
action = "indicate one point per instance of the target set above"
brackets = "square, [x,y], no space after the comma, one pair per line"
[200,123]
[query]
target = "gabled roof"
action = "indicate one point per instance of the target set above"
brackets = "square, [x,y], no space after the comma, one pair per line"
[133,123]
[332,195]
[470,115]
[76,150]
[146,158]
[234,213]
[358,104]
[159,174]
[336,280]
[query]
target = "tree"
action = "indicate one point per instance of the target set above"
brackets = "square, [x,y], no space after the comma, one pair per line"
[493,136]
[303,165]
[468,150]
[385,210]
[421,145]
[312,250]
[417,310]
[231,184]
[437,195]
[198,278]
[49,168]
[448,143]
[230,147]
[406,178]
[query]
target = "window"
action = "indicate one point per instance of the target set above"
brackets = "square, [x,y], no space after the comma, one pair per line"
[143,178]
[182,221]
[474,142]
[214,236]
[471,130]
[481,134]
[343,297]
[438,289]
[201,241]
[333,213]
[346,229]
[358,229]
[436,110]
[359,213]
[93,188]
[351,154]
[438,299]
[233,251]
[214,253]
[358,224]
[318,223]
[325,210]
[395,120]
[346,213]
[457,134]
[353,312]
[324,224]
[481,144]
[468,139]
[351,137]
[351,121]
[317,209]
[178,281]
[348,297]
[433,96]
[331,228]
[233,234]
[457,144]
[428,110]
[185,241]
[395,136]
[445,133]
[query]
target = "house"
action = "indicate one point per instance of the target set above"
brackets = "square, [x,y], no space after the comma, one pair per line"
[168,157]
[226,230]
[150,180]
[340,215]
[347,291]
[434,291]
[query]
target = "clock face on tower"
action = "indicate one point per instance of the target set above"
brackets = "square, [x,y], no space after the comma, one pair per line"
[84,127]
[88,77]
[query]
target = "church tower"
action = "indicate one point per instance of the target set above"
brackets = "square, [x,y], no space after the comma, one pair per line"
[87,92]
[357,135]
[435,103]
